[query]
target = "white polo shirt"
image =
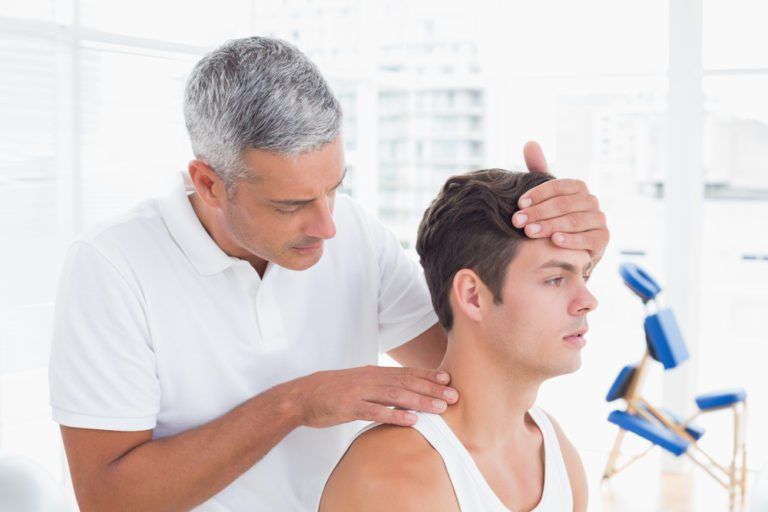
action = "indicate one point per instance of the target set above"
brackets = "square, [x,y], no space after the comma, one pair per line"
[157,328]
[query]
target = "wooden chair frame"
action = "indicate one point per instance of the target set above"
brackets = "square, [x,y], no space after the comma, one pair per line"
[732,476]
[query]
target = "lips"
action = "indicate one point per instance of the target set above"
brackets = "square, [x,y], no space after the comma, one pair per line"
[576,338]
[581,331]
[309,248]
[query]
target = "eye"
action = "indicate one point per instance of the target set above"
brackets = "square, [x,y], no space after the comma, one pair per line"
[289,210]
[555,281]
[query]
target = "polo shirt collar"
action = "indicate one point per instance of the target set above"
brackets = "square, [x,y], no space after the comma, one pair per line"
[188,232]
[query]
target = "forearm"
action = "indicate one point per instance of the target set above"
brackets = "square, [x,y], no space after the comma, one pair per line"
[182,471]
[425,351]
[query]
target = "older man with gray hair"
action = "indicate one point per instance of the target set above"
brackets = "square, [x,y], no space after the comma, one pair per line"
[212,346]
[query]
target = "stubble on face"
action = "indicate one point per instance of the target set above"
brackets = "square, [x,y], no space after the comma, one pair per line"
[526,329]
[256,224]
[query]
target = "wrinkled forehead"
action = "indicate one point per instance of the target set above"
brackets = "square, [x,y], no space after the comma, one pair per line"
[534,255]
[301,176]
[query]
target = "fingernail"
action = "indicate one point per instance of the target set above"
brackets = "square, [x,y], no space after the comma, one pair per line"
[520,219]
[443,377]
[451,394]
[525,203]
[533,229]
[409,416]
[439,405]
[559,237]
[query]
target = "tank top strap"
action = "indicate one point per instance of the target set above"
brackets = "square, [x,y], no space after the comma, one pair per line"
[471,489]
[469,485]
[557,494]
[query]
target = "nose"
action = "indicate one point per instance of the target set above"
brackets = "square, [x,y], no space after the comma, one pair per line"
[322,225]
[584,302]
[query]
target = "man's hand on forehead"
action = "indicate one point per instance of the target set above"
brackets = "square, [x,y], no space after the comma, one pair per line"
[561,209]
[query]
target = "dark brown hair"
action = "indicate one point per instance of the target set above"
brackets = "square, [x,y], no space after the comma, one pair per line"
[469,225]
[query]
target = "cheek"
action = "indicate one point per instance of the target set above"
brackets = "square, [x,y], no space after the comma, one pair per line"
[259,228]
[515,318]
[535,314]
[530,306]
[547,302]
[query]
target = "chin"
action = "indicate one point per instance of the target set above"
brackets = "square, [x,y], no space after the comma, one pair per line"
[572,366]
[564,368]
[301,262]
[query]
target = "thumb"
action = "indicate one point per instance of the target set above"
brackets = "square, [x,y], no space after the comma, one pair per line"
[534,157]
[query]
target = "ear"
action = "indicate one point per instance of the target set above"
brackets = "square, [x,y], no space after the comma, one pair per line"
[208,185]
[468,294]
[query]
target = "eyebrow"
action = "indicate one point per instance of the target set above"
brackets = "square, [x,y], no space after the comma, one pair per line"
[300,202]
[568,267]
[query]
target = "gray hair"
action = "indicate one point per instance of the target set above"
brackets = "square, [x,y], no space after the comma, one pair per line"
[258,93]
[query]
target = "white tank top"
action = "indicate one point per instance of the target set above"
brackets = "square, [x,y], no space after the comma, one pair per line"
[472,491]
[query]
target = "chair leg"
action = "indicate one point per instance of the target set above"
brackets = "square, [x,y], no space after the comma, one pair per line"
[614,455]
[732,469]
[743,436]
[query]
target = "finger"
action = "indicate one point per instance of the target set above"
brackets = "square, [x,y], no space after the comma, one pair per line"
[534,157]
[424,387]
[419,380]
[593,241]
[550,189]
[570,223]
[556,207]
[437,376]
[399,397]
[368,411]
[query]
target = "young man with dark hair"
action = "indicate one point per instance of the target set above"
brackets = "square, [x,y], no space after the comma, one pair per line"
[515,312]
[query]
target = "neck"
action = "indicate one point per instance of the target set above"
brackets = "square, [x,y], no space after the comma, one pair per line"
[214,226]
[494,397]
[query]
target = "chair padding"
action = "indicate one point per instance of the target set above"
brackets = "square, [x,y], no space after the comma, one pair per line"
[695,431]
[665,341]
[639,281]
[620,385]
[720,398]
[656,434]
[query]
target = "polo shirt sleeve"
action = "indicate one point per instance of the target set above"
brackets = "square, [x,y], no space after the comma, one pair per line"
[405,306]
[102,371]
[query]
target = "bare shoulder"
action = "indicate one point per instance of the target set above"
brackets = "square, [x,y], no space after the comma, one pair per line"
[389,468]
[576,473]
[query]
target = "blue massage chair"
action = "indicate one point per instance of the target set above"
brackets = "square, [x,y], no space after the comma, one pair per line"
[663,428]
